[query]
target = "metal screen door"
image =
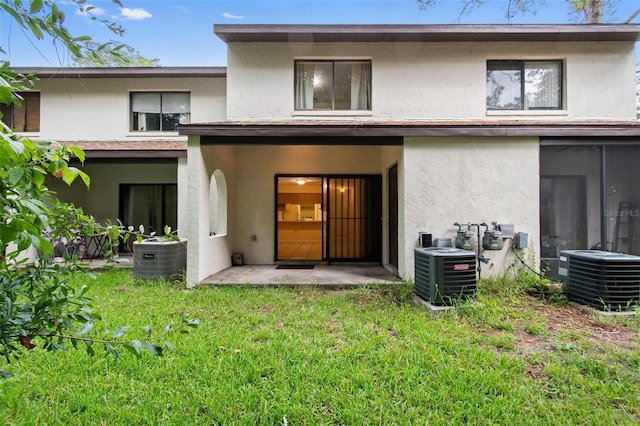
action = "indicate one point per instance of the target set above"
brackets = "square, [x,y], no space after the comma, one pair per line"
[353,218]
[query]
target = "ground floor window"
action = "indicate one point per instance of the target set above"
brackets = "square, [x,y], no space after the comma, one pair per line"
[150,205]
[589,197]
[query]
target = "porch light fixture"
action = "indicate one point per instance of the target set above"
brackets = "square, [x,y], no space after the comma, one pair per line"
[301,181]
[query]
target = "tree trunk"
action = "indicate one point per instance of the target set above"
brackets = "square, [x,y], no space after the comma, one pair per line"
[595,10]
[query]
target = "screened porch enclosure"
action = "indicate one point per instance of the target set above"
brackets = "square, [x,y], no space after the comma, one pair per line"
[589,198]
[328,218]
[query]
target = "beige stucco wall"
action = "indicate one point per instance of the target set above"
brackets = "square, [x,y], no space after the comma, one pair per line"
[475,180]
[98,108]
[433,80]
[206,253]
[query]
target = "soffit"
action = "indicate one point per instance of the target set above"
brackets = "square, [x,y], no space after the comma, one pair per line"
[426,33]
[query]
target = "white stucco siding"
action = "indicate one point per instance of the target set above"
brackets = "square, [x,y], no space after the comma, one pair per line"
[207,254]
[183,199]
[476,180]
[101,199]
[98,108]
[433,80]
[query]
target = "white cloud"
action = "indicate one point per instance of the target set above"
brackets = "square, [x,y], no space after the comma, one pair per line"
[90,9]
[134,14]
[231,16]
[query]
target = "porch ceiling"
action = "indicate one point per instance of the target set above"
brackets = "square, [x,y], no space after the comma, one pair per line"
[391,132]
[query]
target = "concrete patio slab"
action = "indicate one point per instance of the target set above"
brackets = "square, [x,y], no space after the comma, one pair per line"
[320,275]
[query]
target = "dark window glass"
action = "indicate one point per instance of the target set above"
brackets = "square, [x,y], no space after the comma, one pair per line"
[333,85]
[524,85]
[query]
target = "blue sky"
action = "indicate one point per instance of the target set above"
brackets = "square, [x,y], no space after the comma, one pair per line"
[180,32]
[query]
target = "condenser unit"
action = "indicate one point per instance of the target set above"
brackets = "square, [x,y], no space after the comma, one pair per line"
[444,275]
[159,258]
[607,281]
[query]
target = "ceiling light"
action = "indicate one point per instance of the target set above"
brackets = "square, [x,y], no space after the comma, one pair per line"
[301,181]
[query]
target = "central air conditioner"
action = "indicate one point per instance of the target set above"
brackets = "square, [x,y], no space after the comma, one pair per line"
[607,281]
[444,275]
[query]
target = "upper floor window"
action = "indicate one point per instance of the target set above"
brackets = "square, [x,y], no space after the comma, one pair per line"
[333,85]
[524,85]
[161,111]
[24,117]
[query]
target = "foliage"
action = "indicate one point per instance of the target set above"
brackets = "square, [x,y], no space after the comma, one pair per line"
[590,11]
[120,56]
[43,18]
[37,301]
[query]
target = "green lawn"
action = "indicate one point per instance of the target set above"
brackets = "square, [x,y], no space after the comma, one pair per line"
[356,357]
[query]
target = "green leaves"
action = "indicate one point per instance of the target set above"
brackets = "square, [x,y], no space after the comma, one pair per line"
[36,6]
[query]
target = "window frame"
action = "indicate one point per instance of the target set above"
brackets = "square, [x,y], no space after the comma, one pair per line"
[333,62]
[520,65]
[9,112]
[161,93]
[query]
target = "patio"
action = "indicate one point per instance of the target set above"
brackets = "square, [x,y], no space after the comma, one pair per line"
[338,276]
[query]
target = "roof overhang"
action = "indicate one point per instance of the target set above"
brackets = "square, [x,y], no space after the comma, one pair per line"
[131,149]
[124,72]
[230,33]
[393,132]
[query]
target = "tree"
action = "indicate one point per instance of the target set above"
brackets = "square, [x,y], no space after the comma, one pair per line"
[120,55]
[591,11]
[38,305]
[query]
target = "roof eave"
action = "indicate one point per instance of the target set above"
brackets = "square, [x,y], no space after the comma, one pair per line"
[427,33]
[355,130]
[124,72]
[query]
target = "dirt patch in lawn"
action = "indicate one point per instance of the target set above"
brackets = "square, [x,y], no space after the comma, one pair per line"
[584,322]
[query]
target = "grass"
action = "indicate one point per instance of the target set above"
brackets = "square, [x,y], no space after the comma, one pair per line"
[311,356]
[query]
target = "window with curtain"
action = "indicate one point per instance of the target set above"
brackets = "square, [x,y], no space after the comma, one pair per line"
[159,111]
[333,85]
[24,117]
[524,85]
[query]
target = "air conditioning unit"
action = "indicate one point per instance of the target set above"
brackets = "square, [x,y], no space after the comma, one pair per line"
[444,275]
[158,258]
[604,280]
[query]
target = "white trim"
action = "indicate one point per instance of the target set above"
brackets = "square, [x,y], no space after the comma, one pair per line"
[528,113]
[332,113]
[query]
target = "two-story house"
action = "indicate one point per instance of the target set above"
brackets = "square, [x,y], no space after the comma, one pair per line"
[345,143]
[126,120]
[350,143]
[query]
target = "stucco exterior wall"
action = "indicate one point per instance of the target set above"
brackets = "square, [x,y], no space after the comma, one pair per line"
[475,180]
[101,199]
[206,253]
[433,80]
[98,108]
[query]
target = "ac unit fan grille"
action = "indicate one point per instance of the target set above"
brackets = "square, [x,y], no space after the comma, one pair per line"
[444,279]
[607,283]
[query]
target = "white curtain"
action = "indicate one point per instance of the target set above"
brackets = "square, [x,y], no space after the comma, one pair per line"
[304,85]
[361,86]
[542,85]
